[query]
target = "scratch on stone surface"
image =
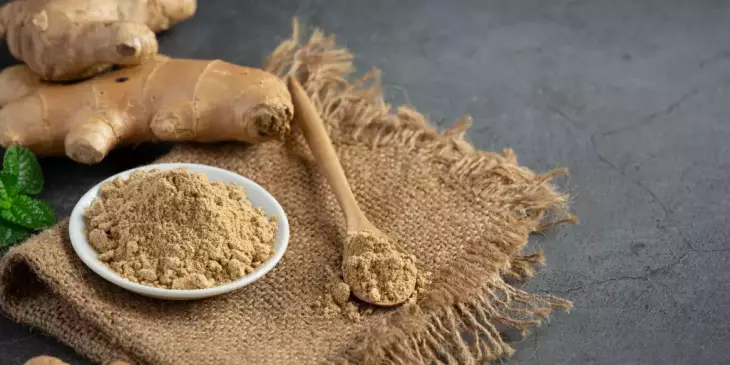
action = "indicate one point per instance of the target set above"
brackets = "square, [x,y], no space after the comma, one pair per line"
[602,158]
[654,197]
[16,340]
[651,273]
[600,282]
[402,90]
[646,277]
[653,116]
[719,56]
[670,292]
[537,349]
[559,112]
[667,216]
[638,297]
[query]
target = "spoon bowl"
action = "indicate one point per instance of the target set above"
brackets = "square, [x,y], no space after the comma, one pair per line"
[376,270]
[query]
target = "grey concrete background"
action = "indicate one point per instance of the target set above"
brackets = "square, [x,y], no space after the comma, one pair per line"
[632,96]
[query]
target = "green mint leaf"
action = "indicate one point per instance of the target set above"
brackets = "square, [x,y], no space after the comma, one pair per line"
[21,162]
[29,213]
[11,233]
[8,185]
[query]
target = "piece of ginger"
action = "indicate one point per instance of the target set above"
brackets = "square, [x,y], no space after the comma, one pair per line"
[50,360]
[64,40]
[165,99]
[45,360]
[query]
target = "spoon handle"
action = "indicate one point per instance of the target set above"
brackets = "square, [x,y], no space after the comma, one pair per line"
[321,146]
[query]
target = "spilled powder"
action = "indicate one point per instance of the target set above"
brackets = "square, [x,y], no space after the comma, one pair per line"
[376,271]
[423,280]
[336,301]
[175,229]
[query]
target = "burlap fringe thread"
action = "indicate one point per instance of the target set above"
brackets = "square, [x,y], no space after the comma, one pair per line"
[457,321]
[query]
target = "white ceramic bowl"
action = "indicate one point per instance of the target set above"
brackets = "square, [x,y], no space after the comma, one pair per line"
[256,194]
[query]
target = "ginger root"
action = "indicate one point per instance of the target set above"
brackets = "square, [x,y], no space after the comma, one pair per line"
[45,360]
[64,40]
[50,360]
[161,100]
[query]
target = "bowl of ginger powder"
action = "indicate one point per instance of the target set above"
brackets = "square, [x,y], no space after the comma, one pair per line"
[179,231]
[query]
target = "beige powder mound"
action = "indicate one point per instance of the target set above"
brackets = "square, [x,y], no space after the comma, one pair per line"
[175,229]
[376,270]
[336,302]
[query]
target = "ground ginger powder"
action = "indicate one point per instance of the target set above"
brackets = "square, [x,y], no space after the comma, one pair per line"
[375,268]
[175,229]
[337,299]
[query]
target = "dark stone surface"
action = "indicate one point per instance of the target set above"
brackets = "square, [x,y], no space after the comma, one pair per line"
[632,96]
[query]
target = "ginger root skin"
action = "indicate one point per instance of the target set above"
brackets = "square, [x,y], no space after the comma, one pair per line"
[50,360]
[66,40]
[45,360]
[162,100]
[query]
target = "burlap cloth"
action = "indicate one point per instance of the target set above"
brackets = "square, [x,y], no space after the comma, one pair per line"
[465,214]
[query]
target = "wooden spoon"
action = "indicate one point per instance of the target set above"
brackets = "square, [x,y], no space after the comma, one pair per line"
[359,228]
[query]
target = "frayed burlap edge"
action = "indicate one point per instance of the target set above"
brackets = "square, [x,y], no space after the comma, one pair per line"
[459,320]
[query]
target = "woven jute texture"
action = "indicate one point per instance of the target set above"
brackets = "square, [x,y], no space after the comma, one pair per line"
[465,214]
